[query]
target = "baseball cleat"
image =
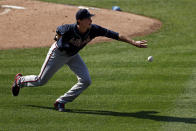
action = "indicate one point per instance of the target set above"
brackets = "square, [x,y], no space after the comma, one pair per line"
[59,106]
[16,86]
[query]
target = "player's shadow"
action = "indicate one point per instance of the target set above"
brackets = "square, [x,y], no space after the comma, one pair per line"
[151,115]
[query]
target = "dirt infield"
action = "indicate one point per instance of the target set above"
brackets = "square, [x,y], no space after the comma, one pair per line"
[35,25]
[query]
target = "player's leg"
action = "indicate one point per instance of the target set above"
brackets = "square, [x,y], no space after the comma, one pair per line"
[54,60]
[77,65]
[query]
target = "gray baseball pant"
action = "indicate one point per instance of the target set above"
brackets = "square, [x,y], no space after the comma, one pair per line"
[54,61]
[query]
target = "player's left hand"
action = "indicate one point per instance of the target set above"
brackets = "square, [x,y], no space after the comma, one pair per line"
[141,44]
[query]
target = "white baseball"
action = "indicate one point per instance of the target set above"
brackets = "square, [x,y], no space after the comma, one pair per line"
[150,58]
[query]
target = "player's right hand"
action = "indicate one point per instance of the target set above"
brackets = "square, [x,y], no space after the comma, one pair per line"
[141,44]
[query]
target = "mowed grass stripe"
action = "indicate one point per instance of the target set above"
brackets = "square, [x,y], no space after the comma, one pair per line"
[184,113]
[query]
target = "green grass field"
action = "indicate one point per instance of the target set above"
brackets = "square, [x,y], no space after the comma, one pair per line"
[127,92]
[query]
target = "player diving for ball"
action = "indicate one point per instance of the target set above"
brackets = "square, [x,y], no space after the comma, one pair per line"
[70,39]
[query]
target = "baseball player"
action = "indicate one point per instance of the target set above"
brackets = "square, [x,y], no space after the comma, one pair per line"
[70,39]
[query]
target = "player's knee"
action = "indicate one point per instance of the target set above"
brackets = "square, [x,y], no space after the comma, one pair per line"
[41,82]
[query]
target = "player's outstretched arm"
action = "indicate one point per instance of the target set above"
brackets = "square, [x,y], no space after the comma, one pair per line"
[140,44]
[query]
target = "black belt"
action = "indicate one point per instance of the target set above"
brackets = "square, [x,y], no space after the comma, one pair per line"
[60,49]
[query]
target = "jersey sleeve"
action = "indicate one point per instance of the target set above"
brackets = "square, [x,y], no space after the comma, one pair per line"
[100,31]
[61,30]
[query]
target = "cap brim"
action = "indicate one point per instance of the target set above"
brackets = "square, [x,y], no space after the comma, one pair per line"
[91,15]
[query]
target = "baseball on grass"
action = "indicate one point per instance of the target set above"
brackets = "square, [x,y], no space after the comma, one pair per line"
[150,58]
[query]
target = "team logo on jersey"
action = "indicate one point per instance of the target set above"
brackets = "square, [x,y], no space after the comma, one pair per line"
[79,42]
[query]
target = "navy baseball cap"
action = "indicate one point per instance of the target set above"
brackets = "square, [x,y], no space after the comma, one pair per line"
[82,14]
